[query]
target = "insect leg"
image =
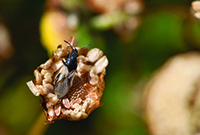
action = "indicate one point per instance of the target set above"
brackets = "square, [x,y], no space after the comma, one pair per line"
[57,76]
[64,62]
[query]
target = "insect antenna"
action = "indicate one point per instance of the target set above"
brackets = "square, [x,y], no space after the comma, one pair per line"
[68,43]
[86,46]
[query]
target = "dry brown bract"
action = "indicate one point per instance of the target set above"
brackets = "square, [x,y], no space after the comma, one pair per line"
[85,93]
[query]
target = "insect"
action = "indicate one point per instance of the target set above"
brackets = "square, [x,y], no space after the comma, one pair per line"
[66,77]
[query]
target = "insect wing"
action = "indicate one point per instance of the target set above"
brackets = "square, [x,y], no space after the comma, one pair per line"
[62,87]
[63,74]
[62,83]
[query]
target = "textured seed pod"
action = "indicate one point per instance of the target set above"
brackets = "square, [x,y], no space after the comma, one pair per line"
[84,94]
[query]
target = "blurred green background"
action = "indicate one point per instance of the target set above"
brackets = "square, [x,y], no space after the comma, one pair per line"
[136,43]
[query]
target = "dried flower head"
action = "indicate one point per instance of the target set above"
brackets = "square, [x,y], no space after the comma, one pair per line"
[108,6]
[196,8]
[85,91]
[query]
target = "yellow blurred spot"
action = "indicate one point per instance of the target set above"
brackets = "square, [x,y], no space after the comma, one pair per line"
[53,29]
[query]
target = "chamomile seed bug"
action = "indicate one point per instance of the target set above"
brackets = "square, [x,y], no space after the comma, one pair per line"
[66,77]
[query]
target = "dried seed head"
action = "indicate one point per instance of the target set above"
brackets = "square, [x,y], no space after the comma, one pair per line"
[94,55]
[196,8]
[85,92]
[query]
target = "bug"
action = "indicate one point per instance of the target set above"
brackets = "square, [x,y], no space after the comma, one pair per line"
[66,77]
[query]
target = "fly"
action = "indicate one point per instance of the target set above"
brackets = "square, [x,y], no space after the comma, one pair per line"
[66,77]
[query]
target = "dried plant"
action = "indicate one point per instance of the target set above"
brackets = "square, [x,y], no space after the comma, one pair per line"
[196,8]
[123,16]
[6,48]
[87,86]
[172,97]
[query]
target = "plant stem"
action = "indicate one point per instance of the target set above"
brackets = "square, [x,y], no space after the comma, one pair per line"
[39,127]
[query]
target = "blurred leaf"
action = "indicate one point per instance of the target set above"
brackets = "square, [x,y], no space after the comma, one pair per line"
[83,36]
[5,75]
[116,115]
[196,34]
[19,107]
[106,21]
[159,37]
[72,4]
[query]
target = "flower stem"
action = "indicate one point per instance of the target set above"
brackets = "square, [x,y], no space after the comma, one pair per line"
[39,127]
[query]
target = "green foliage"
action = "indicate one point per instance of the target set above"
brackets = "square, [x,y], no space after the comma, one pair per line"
[19,108]
[159,37]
